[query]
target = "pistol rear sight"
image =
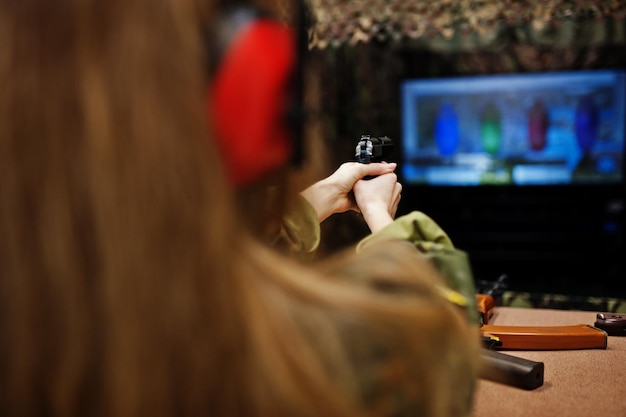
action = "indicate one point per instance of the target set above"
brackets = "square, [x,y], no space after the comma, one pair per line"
[373,149]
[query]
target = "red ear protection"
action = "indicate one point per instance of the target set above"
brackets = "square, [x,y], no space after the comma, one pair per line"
[250,96]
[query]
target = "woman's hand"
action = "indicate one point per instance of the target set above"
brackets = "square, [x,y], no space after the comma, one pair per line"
[333,194]
[378,199]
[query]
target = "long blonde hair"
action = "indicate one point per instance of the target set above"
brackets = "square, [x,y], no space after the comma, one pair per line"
[128,286]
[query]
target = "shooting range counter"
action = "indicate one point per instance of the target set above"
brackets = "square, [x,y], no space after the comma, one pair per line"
[577,383]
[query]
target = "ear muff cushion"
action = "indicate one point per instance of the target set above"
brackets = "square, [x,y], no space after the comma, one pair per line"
[249,99]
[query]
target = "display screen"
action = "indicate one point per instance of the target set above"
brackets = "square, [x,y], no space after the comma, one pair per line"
[521,129]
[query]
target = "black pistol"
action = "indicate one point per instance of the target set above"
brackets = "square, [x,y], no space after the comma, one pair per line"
[373,149]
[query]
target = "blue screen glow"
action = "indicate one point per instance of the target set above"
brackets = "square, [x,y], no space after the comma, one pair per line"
[520,129]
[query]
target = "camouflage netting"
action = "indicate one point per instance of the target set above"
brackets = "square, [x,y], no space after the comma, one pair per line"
[464,25]
[362,50]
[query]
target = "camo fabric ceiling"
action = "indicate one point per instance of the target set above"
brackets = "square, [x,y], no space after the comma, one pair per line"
[468,24]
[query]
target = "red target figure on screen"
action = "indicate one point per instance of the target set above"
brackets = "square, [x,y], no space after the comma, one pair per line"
[538,121]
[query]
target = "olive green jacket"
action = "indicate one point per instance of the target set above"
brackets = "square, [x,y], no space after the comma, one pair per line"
[372,356]
[430,239]
[301,234]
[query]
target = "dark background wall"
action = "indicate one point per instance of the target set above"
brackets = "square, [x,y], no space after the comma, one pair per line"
[555,240]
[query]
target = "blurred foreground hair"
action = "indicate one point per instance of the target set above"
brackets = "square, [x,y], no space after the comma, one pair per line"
[128,284]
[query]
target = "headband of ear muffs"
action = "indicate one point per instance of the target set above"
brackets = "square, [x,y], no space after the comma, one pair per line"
[251,94]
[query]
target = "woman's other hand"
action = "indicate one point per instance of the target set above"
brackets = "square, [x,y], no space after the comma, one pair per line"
[333,194]
[378,199]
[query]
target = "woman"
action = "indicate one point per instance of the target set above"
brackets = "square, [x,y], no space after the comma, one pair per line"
[129,286]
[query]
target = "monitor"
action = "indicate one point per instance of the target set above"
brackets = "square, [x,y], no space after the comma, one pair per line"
[556,128]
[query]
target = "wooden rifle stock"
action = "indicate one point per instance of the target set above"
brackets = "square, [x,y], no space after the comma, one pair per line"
[519,372]
[485,304]
[580,336]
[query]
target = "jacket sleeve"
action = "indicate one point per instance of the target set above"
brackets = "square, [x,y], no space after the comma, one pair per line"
[299,234]
[435,244]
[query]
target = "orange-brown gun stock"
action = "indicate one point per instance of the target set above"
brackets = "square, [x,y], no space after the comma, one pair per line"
[485,304]
[580,336]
